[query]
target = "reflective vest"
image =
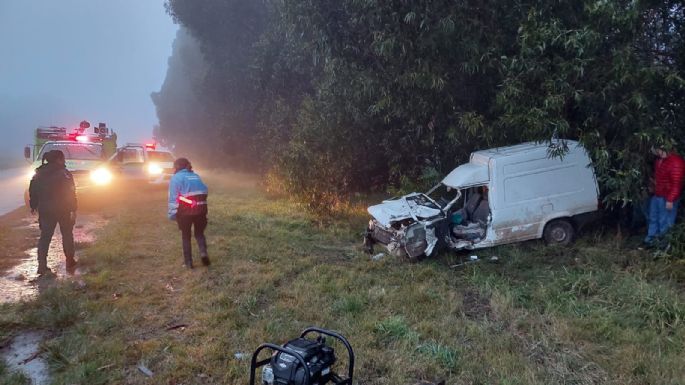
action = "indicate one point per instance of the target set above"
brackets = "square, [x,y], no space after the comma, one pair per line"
[187,194]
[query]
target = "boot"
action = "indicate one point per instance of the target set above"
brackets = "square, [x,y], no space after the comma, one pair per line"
[205,260]
[188,262]
[202,245]
[70,265]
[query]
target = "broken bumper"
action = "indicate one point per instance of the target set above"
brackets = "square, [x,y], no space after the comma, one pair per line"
[413,241]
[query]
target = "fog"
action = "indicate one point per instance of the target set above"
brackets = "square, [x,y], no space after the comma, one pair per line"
[69,60]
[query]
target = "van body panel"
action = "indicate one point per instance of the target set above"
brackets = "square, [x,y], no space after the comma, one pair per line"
[530,189]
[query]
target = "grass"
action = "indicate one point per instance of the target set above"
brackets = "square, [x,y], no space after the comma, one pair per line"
[9,378]
[591,314]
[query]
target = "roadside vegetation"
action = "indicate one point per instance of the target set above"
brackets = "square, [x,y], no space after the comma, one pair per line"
[330,98]
[335,97]
[595,313]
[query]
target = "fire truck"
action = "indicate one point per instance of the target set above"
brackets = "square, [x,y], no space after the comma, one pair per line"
[86,149]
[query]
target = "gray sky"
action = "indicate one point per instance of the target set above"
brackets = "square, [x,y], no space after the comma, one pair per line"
[62,61]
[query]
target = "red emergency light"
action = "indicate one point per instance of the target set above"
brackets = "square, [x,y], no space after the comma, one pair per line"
[82,138]
[150,146]
[187,201]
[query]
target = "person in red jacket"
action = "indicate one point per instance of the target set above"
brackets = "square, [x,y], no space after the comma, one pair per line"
[669,170]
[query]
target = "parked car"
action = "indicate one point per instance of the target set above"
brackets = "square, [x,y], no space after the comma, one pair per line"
[503,195]
[142,163]
[160,166]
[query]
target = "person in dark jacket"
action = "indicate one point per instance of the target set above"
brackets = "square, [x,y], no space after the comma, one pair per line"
[669,170]
[52,194]
[188,206]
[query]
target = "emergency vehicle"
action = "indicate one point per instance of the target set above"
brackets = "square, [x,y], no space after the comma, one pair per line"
[142,163]
[85,150]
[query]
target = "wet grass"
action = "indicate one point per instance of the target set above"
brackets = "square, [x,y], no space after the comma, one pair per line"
[592,314]
[10,378]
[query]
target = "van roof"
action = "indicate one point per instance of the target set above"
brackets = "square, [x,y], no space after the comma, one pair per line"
[518,149]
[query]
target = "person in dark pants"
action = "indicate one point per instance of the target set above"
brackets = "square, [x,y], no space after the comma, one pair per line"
[669,174]
[53,194]
[188,206]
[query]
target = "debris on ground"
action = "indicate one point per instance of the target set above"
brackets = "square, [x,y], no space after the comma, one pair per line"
[240,356]
[473,259]
[179,326]
[104,367]
[378,257]
[145,370]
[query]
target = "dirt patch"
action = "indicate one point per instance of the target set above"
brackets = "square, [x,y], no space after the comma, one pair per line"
[563,362]
[19,281]
[476,306]
[23,355]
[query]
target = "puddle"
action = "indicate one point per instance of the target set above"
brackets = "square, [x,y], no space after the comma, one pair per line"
[21,281]
[23,355]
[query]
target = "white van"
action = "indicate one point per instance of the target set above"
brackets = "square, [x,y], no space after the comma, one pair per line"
[503,195]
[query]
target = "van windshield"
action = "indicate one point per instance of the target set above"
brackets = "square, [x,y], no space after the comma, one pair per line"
[443,194]
[160,156]
[74,151]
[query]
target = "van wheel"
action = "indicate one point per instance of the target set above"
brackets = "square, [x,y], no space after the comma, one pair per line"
[559,232]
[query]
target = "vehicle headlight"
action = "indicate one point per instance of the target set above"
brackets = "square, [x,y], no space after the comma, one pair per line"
[30,174]
[101,176]
[154,169]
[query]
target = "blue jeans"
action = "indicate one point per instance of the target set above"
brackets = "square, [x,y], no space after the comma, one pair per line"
[660,220]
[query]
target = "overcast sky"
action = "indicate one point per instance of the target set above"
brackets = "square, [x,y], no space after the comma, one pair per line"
[62,61]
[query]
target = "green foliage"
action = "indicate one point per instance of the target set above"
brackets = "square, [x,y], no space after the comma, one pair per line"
[676,240]
[395,328]
[605,73]
[340,96]
[56,308]
[446,356]
[8,377]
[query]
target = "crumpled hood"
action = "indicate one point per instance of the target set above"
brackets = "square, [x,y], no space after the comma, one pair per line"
[399,209]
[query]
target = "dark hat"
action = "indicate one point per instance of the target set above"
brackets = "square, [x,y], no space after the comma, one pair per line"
[182,164]
[53,156]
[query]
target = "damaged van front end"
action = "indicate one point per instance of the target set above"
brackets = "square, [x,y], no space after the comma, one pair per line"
[410,226]
[419,224]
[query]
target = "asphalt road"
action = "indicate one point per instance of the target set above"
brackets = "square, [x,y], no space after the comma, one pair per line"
[13,182]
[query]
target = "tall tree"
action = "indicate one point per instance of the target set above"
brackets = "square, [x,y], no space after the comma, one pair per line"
[178,103]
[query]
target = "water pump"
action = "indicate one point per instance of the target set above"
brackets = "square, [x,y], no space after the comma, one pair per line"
[302,361]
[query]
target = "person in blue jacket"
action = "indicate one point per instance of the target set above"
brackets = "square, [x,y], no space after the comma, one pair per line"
[188,206]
